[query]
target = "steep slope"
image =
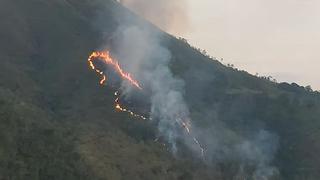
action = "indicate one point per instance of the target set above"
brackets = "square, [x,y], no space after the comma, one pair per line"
[58,123]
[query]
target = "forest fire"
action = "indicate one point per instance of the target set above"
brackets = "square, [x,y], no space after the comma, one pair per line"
[120,108]
[108,60]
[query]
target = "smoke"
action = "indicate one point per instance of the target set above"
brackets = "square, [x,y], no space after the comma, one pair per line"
[140,50]
[169,15]
[148,60]
[247,156]
[259,151]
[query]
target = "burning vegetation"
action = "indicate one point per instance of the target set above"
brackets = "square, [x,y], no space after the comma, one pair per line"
[107,60]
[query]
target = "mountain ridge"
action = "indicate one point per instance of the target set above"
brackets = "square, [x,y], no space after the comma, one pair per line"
[53,108]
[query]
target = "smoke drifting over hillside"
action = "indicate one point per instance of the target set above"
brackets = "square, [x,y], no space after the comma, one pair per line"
[141,51]
[148,60]
[169,15]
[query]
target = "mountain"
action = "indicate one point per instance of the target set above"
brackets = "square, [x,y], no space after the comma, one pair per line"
[57,122]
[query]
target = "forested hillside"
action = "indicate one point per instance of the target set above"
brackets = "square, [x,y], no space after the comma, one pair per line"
[57,122]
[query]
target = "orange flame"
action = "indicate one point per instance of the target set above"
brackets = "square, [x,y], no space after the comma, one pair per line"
[106,58]
[120,108]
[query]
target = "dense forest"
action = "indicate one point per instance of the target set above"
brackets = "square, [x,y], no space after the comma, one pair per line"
[57,122]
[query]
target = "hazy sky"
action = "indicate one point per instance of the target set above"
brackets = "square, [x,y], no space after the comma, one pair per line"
[280,38]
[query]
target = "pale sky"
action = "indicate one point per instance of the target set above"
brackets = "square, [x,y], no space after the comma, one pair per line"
[280,38]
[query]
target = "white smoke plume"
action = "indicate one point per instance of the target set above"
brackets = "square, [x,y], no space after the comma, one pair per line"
[148,60]
[140,50]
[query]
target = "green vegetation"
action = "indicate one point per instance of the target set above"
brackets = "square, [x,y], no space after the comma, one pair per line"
[56,122]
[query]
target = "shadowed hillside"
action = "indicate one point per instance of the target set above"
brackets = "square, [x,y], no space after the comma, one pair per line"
[57,122]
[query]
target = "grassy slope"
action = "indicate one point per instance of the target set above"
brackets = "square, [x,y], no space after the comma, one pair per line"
[57,123]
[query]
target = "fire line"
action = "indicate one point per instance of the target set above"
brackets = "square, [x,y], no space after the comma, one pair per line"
[108,60]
